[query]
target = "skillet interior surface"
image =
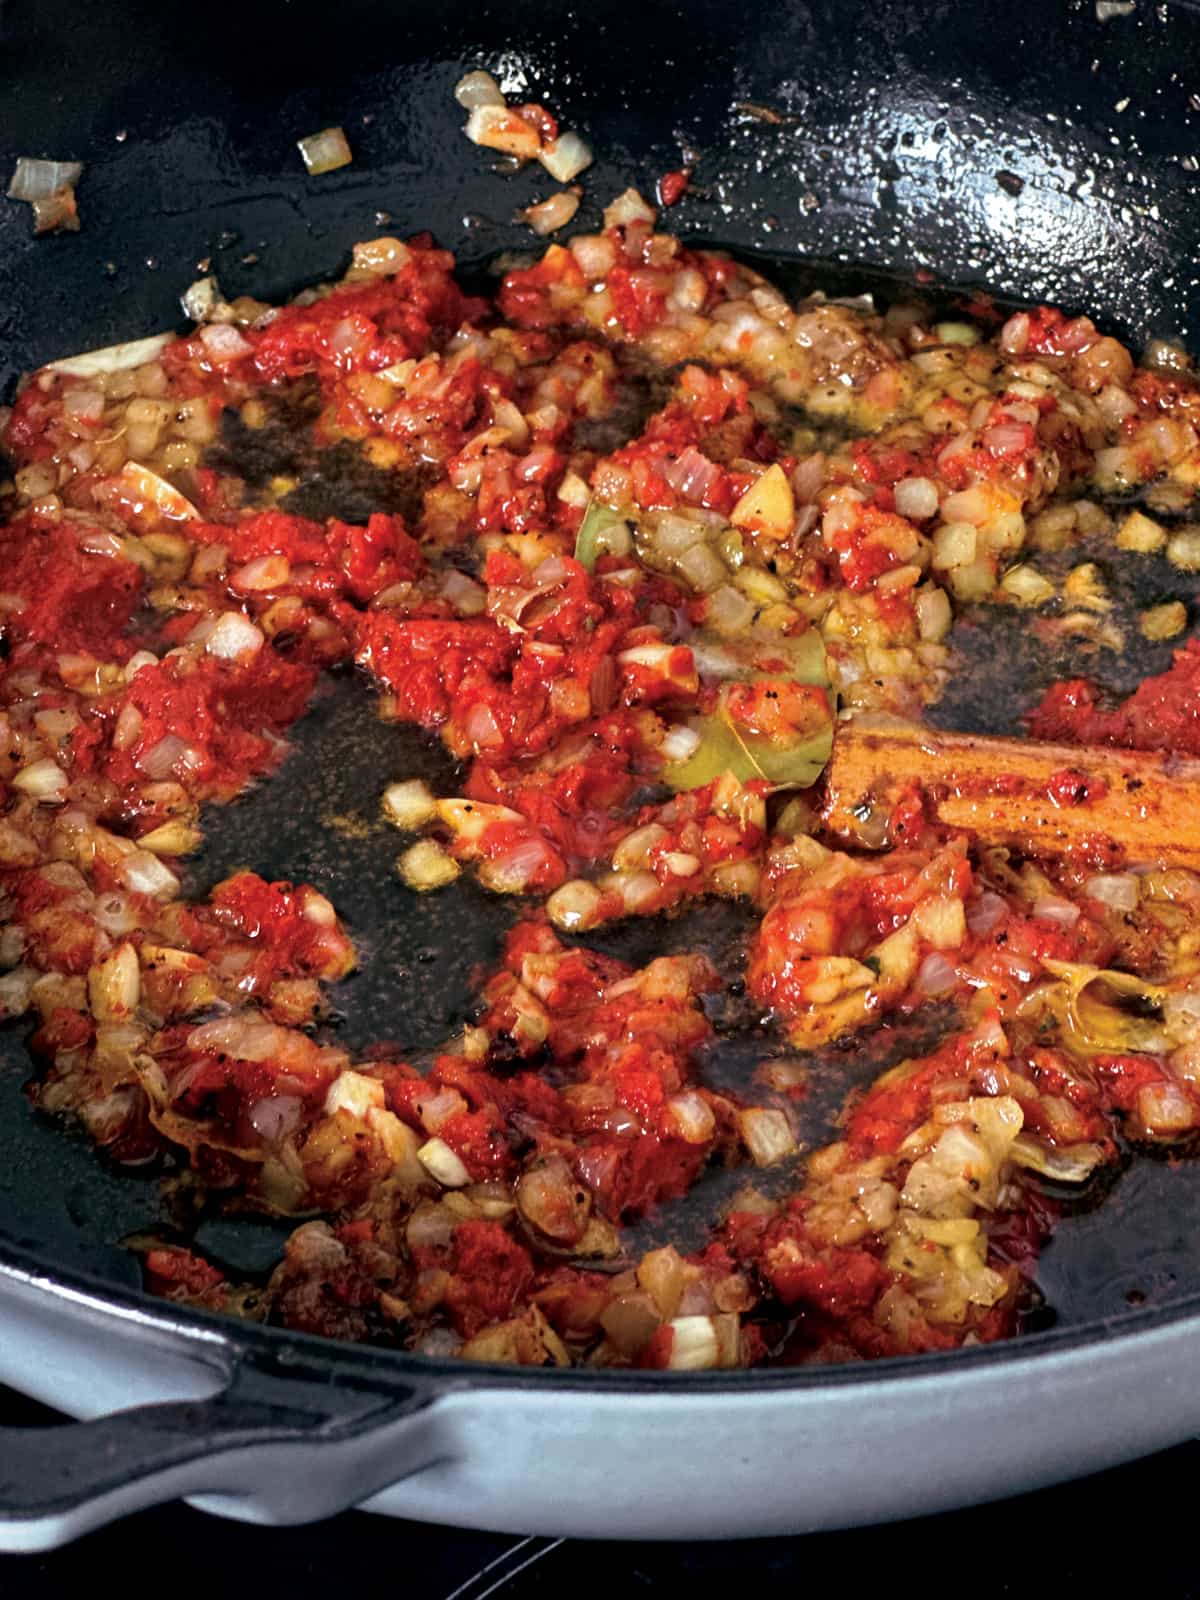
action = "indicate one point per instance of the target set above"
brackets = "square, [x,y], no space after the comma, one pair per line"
[1034,151]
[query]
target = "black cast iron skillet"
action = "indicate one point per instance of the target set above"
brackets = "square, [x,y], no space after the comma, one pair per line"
[1031,149]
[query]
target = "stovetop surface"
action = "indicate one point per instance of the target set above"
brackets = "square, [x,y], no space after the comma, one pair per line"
[1134,1525]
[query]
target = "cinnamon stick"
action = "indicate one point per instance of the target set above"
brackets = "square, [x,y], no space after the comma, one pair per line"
[1133,807]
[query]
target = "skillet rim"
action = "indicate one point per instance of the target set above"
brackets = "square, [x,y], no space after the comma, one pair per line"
[243,1340]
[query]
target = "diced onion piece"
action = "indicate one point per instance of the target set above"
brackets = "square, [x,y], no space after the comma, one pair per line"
[102,544]
[1052,909]
[550,571]
[147,489]
[439,1108]
[161,759]
[112,358]
[144,873]
[693,1117]
[957,333]
[1072,1163]
[471,818]
[674,664]
[767,1135]
[223,343]
[940,920]
[932,606]
[566,157]
[983,914]
[680,743]
[246,1036]
[553,1201]
[1183,550]
[702,567]
[385,256]
[1026,585]
[439,1343]
[431,1227]
[498,128]
[700,1344]
[1084,586]
[481,727]
[467,597]
[444,1164]
[356,1094]
[1164,621]
[795,818]
[574,491]
[1161,355]
[784,1074]
[1116,889]
[639,891]
[595,254]
[275,1117]
[325,151]
[478,89]
[574,906]
[663,1275]
[630,1321]
[954,544]
[634,849]
[261,575]
[201,299]
[518,867]
[763,587]
[768,506]
[570,700]
[318,909]
[85,406]
[56,724]
[674,534]
[1141,533]
[426,865]
[603,531]
[1166,1109]
[174,838]
[409,805]
[34,179]
[43,780]
[1183,1008]
[399,374]
[16,989]
[114,985]
[548,216]
[916,498]
[729,611]
[694,1345]
[232,636]
[626,208]
[735,879]
[935,975]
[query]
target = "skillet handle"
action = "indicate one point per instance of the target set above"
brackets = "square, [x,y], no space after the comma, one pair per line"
[278,1445]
